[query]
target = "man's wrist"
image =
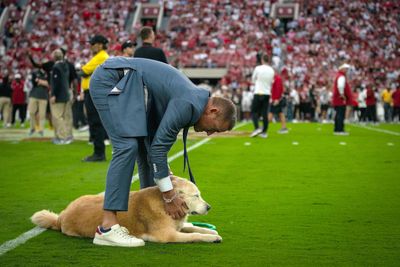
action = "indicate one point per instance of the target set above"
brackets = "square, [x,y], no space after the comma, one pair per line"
[164,184]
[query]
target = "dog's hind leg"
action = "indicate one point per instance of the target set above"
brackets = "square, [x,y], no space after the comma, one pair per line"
[190,228]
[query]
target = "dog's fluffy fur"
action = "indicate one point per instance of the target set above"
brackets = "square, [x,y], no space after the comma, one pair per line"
[145,218]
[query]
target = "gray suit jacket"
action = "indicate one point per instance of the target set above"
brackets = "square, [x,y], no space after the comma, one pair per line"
[173,103]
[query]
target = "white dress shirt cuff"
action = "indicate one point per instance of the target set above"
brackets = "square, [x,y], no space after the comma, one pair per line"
[164,184]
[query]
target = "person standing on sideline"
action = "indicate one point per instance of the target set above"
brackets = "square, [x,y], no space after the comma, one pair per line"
[128,48]
[396,104]
[371,105]
[341,97]
[98,46]
[60,99]
[38,98]
[263,77]
[386,97]
[144,104]
[18,99]
[147,50]
[5,101]
[277,103]
[362,104]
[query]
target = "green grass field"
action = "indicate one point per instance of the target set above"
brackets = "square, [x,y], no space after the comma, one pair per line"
[303,199]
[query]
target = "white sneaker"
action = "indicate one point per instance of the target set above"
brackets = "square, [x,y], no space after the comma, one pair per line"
[118,236]
[263,135]
[256,132]
[283,131]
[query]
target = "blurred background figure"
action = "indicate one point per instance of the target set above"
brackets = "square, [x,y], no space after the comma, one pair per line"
[147,50]
[5,101]
[18,100]
[98,47]
[341,98]
[128,48]
[60,100]
[38,98]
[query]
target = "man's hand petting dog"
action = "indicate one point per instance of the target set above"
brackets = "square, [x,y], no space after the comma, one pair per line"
[174,205]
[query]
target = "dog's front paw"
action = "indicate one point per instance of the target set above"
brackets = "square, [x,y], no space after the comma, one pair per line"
[218,239]
[213,232]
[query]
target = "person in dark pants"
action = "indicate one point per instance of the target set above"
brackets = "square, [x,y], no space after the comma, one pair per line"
[341,97]
[147,50]
[98,46]
[263,77]
[18,99]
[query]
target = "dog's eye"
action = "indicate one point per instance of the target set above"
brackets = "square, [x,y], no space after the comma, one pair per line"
[196,196]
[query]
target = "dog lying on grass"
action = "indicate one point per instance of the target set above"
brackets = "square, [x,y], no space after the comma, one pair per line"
[145,218]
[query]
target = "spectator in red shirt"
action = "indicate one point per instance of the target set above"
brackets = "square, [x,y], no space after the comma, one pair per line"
[278,102]
[396,103]
[18,99]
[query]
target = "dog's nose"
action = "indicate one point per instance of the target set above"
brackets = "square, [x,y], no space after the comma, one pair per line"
[208,207]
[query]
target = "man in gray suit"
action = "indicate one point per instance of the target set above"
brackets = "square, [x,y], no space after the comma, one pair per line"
[143,105]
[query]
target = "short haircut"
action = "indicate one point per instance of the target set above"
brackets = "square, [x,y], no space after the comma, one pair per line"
[58,55]
[265,58]
[145,32]
[228,110]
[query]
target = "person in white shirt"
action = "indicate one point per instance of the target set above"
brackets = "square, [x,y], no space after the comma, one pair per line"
[362,104]
[263,77]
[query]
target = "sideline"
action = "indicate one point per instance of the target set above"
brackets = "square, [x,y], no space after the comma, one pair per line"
[376,129]
[12,244]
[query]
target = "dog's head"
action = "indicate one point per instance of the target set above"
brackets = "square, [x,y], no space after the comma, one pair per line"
[191,195]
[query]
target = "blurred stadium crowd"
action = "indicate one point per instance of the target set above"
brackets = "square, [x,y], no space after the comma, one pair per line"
[227,34]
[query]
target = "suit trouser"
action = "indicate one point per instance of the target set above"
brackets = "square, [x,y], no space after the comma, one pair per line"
[39,107]
[126,150]
[5,108]
[339,118]
[96,128]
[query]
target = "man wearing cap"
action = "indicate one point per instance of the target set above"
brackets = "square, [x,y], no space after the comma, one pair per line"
[147,50]
[127,48]
[98,46]
[144,104]
[341,97]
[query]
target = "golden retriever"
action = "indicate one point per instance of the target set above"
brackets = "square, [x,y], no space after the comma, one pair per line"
[145,218]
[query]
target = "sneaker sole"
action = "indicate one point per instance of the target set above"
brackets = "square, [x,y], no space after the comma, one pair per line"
[112,244]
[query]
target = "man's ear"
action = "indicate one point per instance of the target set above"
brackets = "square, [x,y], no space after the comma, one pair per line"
[214,110]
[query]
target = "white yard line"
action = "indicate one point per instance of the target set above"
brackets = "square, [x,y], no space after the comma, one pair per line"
[11,244]
[376,129]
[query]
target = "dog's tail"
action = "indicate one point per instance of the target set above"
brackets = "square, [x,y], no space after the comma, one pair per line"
[46,219]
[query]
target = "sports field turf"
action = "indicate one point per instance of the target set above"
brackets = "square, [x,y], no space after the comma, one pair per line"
[307,198]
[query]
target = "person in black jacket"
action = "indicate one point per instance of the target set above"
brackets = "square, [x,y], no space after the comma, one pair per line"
[147,50]
[5,101]
[60,99]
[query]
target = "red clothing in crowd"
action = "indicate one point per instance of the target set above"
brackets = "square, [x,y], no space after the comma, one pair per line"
[277,88]
[396,98]
[337,100]
[18,94]
[354,102]
[370,100]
